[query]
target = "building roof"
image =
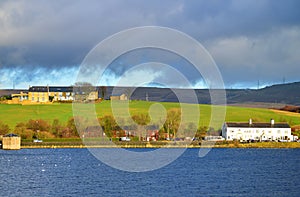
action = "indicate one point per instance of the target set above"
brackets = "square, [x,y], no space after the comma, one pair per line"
[51,89]
[38,89]
[257,125]
[11,135]
[61,89]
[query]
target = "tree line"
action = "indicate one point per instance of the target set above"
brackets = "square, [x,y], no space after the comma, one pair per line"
[33,129]
[167,128]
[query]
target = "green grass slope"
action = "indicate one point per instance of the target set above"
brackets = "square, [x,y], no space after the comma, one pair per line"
[13,114]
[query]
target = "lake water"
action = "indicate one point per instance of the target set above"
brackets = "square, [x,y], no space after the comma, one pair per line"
[222,172]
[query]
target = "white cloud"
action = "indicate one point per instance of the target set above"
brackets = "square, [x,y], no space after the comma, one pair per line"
[265,57]
[200,85]
[134,77]
[21,78]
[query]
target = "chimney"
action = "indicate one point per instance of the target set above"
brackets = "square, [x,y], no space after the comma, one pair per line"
[272,121]
[250,121]
[48,89]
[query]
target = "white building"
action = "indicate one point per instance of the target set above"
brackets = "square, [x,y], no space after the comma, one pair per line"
[257,131]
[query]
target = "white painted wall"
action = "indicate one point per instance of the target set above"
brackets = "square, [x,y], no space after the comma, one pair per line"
[235,133]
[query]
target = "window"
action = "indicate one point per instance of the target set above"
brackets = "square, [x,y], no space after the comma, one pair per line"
[32,98]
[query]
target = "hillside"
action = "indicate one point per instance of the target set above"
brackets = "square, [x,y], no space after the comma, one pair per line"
[276,94]
[13,114]
[282,93]
[268,97]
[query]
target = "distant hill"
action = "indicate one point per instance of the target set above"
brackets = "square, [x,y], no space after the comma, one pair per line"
[275,95]
[282,93]
[8,92]
[268,97]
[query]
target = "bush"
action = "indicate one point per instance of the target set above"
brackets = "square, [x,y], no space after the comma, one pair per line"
[51,98]
[56,128]
[5,97]
[45,135]
[4,128]
[23,132]
[68,131]
[36,125]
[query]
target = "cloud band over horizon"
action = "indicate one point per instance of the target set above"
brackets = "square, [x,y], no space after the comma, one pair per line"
[44,42]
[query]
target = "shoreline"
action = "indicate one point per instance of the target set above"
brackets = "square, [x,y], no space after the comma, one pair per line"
[270,145]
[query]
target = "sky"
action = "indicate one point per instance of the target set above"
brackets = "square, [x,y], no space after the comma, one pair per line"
[252,42]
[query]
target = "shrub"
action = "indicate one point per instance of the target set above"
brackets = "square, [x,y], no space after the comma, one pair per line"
[23,132]
[56,128]
[36,125]
[70,130]
[4,128]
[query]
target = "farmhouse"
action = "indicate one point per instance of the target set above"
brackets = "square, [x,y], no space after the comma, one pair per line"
[38,94]
[43,93]
[48,94]
[248,131]
[61,93]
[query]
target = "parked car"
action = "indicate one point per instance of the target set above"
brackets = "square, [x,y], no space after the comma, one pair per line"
[127,139]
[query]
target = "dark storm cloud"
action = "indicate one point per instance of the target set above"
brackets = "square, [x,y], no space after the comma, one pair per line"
[231,18]
[51,36]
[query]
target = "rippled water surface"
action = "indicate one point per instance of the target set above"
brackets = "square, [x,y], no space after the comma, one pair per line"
[223,172]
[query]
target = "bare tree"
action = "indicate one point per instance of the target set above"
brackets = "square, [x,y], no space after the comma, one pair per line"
[142,120]
[172,122]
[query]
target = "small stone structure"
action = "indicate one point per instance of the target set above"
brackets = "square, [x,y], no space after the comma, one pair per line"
[11,142]
[121,97]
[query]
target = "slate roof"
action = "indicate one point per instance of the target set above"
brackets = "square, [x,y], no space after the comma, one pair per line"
[61,89]
[38,89]
[51,89]
[11,135]
[257,125]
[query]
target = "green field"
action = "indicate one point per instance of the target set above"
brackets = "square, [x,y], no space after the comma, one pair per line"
[13,114]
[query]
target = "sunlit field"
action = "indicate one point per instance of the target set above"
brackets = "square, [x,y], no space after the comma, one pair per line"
[13,114]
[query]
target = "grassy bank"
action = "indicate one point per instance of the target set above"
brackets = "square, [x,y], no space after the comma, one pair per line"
[77,143]
[13,114]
